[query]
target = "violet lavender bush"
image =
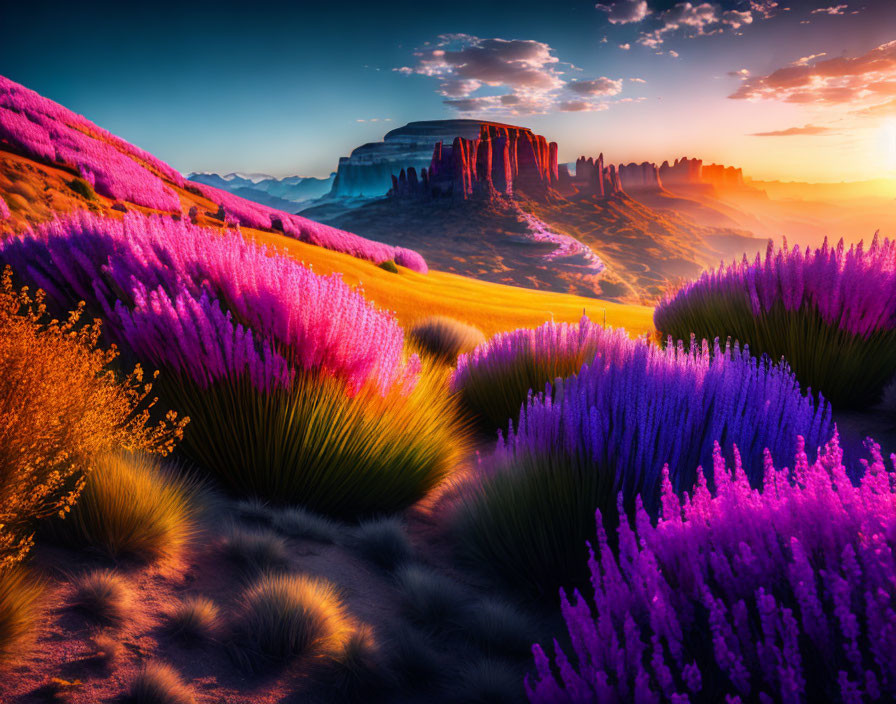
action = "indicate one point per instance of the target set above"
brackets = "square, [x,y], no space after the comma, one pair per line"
[298,388]
[735,595]
[495,379]
[609,430]
[831,313]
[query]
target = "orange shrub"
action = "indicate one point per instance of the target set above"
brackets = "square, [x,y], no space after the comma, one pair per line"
[61,403]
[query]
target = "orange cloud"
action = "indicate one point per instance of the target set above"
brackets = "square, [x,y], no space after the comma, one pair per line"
[863,80]
[812,130]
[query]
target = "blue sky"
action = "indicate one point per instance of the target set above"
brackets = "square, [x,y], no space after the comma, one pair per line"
[288,88]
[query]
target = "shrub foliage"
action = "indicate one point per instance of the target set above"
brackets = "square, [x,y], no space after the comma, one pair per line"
[495,379]
[609,430]
[61,404]
[298,387]
[831,313]
[740,595]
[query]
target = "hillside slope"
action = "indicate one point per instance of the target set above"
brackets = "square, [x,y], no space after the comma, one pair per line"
[36,192]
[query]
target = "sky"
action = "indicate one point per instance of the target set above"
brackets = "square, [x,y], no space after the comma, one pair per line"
[787,90]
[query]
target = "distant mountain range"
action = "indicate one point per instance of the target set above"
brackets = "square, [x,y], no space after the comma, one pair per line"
[281,193]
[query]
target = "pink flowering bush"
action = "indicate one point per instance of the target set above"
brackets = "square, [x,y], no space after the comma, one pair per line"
[781,594]
[831,313]
[249,214]
[316,321]
[47,131]
[297,387]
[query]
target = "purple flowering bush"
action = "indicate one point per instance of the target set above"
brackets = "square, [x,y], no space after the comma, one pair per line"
[298,389]
[831,313]
[610,429]
[784,594]
[495,379]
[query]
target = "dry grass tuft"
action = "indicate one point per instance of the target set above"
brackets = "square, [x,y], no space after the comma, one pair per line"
[108,648]
[443,339]
[132,506]
[384,542]
[195,619]
[255,549]
[104,596]
[321,447]
[159,683]
[60,405]
[283,617]
[429,598]
[19,600]
[302,524]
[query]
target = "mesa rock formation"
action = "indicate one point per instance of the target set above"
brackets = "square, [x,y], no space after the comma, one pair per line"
[593,177]
[723,176]
[368,170]
[640,177]
[502,160]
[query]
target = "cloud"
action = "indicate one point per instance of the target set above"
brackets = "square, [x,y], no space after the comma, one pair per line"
[742,73]
[690,19]
[857,83]
[637,80]
[810,130]
[804,61]
[581,106]
[598,86]
[833,10]
[765,8]
[625,47]
[509,76]
[625,11]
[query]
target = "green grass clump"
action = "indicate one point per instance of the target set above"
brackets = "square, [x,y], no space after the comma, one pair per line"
[20,594]
[158,683]
[131,506]
[384,542]
[195,619]
[318,446]
[389,265]
[82,188]
[103,595]
[282,617]
[444,339]
[527,524]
